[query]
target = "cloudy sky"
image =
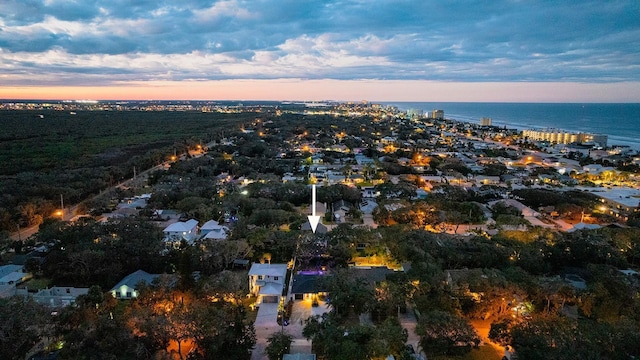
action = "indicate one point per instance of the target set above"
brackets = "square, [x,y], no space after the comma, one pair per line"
[396,50]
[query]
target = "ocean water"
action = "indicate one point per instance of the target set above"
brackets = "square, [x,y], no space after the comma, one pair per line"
[621,122]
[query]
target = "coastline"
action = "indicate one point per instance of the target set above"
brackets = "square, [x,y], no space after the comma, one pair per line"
[620,122]
[613,140]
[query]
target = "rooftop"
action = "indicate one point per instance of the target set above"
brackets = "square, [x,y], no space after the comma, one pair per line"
[268,269]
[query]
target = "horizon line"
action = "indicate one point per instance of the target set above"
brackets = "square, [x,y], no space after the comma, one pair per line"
[309,101]
[344,90]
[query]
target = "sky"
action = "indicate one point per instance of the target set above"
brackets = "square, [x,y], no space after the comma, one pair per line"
[380,50]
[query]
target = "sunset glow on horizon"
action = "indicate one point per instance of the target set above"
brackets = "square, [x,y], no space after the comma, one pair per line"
[338,90]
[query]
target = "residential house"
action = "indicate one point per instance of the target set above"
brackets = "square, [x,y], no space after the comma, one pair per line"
[320,228]
[175,233]
[59,296]
[212,230]
[524,210]
[363,160]
[266,281]
[511,179]
[308,286]
[357,178]
[128,287]
[289,177]
[340,209]
[487,180]
[13,275]
[369,192]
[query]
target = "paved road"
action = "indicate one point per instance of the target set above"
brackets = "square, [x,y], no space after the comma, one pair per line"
[72,211]
[482,328]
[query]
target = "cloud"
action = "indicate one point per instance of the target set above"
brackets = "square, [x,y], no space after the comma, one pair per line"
[100,41]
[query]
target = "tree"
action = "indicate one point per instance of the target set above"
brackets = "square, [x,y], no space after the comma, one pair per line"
[390,338]
[442,333]
[348,293]
[23,322]
[456,218]
[390,298]
[500,331]
[556,337]
[278,344]
[228,285]
[332,341]
[222,332]
[93,329]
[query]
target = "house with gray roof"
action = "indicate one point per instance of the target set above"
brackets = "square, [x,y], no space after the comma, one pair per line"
[59,296]
[13,275]
[128,287]
[212,230]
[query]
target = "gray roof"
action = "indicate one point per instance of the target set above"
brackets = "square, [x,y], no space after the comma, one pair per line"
[135,278]
[8,269]
[373,274]
[320,229]
[308,284]
[268,269]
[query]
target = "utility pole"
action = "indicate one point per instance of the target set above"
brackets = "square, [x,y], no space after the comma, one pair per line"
[62,206]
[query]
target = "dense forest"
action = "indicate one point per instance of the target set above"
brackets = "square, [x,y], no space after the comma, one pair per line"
[46,154]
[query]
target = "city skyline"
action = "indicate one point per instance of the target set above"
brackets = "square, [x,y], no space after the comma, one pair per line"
[506,51]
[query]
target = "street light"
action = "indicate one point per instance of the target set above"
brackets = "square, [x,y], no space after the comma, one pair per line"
[61,211]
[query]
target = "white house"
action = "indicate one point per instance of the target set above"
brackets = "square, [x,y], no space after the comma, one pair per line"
[59,296]
[266,281]
[212,230]
[128,287]
[179,231]
[487,180]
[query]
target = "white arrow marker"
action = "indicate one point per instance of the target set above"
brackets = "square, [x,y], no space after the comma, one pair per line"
[313,219]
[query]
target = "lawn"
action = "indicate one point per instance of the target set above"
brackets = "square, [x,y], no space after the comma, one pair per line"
[252,314]
[36,284]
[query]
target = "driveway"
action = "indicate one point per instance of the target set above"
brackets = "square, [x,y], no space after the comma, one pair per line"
[266,324]
[367,210]
[408,321]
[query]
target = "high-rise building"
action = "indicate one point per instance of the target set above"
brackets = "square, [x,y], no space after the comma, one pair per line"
[485,121]
[437,114]
[414,113]
[564,137]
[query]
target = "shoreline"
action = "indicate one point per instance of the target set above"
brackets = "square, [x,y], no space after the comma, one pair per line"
[569,117]
[612,140]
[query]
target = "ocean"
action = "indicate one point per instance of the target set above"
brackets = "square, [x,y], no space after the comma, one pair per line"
[621,122]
